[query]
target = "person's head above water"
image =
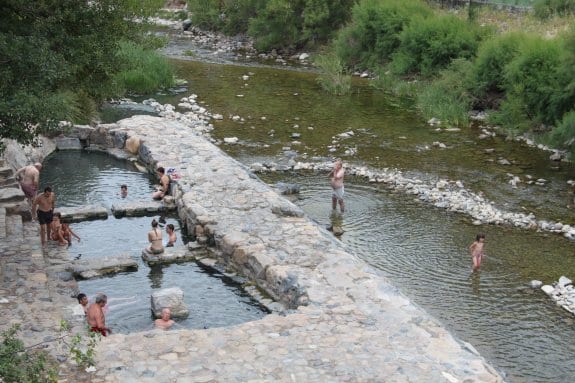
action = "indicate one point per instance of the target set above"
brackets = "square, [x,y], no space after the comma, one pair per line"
[154,223]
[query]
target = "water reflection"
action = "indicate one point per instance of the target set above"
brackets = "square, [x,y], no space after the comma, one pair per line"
[156,276]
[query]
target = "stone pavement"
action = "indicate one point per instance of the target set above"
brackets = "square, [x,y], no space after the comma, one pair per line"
[341,322]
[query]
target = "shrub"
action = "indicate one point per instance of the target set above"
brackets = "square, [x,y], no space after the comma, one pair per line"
[206,14]
[276,26]
[373,33]
[534,83]
[548,8]
[143,70]
[332,78]
[448,98]
[428,45]
[20,365]
[564,134]
[492,58]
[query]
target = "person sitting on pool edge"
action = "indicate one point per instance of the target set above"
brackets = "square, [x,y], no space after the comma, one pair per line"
[164,184]
[155,239]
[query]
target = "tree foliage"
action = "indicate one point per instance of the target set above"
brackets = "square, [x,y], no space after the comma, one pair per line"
[57,55]
[274,23]
[19,365]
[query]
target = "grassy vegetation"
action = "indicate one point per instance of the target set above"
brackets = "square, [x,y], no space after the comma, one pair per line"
[143,70]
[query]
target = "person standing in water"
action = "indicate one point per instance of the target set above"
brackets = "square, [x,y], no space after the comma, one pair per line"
[171,235]
[476,250]
[336,182]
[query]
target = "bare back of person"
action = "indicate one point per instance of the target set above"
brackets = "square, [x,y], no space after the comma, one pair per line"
[29,178]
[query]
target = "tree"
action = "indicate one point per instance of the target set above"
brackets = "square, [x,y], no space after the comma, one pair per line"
[58,58]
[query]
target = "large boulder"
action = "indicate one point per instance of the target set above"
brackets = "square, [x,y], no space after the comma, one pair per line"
[173,298]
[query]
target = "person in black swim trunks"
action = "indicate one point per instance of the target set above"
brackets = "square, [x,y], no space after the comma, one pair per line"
[43,210]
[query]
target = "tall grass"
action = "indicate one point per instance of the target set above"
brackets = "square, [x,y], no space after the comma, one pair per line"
[332,78]
[143,71]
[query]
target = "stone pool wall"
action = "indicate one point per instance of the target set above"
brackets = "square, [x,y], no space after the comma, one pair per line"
[343,322]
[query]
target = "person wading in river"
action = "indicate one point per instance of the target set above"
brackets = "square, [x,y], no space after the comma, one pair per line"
[336,181]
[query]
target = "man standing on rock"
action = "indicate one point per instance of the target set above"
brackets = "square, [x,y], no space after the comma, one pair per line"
[43,210]
[336,181]
[29,177]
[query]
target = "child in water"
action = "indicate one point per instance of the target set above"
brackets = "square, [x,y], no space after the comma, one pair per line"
[476,250]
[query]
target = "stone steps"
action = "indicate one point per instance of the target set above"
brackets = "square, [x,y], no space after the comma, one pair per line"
[14,226]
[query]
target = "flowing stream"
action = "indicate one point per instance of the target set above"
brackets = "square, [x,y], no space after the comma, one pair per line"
[422,250]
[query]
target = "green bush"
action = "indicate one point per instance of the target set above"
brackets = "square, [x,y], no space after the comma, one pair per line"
[373,33]
[534,83]
[19,365]
[277,25]
[332,78]
[564,134]
[206,14]
[492,58]
[448,98]
[143,70]
[428,45]
[548,8]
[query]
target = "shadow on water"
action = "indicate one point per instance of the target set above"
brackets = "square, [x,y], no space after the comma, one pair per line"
[80,179]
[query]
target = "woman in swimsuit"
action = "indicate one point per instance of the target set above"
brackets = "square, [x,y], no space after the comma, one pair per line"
[155,239]
[171,235]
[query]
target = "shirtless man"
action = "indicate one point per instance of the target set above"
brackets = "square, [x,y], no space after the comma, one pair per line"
[29,177]
[164,184]
[164,322]
[336,181]
[43,210]
[95,315]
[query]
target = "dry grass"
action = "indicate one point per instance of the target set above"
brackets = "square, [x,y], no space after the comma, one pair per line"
[506,21]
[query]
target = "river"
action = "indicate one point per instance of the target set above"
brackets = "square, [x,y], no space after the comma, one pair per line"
[421,249]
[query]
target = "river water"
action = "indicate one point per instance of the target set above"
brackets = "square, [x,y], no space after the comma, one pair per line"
[422,250]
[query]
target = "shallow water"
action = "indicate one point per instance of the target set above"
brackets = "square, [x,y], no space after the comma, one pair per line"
[80,179]
[422,250]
